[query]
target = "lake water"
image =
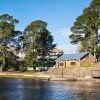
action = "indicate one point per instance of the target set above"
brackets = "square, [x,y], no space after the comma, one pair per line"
[28,89]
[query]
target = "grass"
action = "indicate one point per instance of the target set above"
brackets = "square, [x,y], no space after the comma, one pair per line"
[20,76]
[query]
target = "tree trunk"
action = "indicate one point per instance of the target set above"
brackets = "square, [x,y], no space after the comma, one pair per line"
[94,52]
[96,43]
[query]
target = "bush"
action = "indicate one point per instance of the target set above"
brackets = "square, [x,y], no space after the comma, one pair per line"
[22,68]
[11,69]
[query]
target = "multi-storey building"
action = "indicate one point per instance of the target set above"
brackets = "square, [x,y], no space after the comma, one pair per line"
[54,54]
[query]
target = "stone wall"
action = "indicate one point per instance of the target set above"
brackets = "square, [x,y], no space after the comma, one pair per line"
[87,61]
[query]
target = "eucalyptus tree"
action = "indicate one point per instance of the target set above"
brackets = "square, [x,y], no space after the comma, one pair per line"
[39,42]
[7,36]
[86,28]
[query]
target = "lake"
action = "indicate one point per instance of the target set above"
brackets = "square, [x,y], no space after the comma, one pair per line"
[29,89]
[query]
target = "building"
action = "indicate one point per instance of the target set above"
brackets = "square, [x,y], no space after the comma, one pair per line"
[56,53]
[84,59]
[50,60]
[19,53]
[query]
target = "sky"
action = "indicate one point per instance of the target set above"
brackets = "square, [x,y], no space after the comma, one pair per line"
[59,14]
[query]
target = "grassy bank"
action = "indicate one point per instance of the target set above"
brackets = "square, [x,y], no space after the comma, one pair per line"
[27,77]
[46,78]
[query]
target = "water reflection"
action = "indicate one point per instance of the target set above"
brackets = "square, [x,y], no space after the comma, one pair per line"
[28,89]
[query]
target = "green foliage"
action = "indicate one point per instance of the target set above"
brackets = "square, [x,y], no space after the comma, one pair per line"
[7,38]
[31,59]
[86,27]
[22,68]
[36,26]
[38,43]
[36,40]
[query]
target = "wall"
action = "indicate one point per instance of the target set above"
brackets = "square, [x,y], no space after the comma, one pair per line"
[87,61]
[67,63]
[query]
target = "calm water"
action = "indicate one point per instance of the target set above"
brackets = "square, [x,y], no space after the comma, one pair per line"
[28,89]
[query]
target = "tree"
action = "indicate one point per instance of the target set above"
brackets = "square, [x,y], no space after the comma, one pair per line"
[44,45]
[7,36]
[86,28]
[39,42]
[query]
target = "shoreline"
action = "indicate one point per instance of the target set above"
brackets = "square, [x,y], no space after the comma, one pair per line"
[23,77]
[36,76]
[41,76]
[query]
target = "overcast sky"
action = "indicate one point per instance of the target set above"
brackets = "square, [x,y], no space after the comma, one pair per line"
[59,14]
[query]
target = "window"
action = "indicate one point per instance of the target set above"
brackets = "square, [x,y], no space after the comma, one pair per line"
[61,64]
[72,63]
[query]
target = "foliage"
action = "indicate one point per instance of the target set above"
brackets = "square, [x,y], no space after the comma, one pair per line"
[86,28]
[22,68]
[36,41]
[7,37]
[39,42]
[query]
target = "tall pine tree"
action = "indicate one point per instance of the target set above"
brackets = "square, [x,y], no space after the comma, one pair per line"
[86,28]
[39,43]
[7,38]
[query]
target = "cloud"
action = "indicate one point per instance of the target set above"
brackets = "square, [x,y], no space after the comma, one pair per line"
[64,33]
[61,37]
[69,48]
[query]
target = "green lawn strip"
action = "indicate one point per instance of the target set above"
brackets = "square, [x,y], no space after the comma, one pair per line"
[21,76]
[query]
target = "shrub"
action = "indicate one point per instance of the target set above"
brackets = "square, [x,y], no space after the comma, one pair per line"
[22,68]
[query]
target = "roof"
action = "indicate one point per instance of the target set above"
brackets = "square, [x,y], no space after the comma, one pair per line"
[72,56]
[56,50]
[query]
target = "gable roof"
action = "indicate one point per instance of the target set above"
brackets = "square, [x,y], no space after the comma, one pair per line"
[72,56]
